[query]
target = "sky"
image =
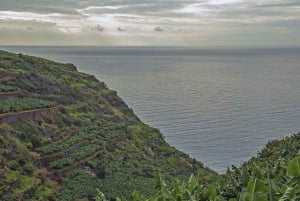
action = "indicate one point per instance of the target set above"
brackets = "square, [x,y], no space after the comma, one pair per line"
[150,22]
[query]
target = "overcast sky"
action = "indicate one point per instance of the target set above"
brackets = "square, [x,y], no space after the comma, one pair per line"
[150,22]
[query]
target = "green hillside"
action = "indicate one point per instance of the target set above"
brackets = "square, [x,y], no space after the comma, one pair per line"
[64,134]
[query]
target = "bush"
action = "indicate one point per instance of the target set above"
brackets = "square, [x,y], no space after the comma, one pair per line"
[20,104]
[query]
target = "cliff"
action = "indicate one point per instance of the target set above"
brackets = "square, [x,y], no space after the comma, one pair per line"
[64,134]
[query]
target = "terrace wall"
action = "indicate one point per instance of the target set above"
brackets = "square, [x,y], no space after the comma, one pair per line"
[30,114]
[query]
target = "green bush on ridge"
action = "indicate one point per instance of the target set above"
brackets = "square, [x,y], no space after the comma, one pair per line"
[256,190]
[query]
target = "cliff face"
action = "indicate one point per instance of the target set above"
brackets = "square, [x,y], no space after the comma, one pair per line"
[64,134]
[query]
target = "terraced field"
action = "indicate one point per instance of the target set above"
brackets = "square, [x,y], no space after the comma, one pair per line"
[17,103]
[6,88]
[64,134]
[71,149]
[21,104]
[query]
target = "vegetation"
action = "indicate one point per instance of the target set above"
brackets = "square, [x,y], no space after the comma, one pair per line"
[272,178]
[92,140]
[75,156]
[5,88]
[21,104]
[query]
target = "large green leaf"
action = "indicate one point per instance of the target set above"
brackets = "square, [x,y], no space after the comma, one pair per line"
[193,182]
[212,194]
[294,167]
[255,191]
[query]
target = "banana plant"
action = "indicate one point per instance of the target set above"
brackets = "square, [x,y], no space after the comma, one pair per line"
[256,191]
[294,168]
[292,191]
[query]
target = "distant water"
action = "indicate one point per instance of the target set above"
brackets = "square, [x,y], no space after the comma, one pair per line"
[218,105]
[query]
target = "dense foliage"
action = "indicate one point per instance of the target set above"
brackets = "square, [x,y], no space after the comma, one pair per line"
[86,139]
[5,88]
[272,178]
[21,104]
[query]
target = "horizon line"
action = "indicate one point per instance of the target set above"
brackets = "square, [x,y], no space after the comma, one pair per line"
[162,46]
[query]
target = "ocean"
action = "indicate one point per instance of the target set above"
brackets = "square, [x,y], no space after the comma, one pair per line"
[219,105]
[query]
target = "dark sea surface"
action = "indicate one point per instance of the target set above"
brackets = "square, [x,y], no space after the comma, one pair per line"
[219,105]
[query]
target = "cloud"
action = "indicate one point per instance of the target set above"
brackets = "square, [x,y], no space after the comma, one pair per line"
[99,27]
[158,29]
[121,29]
[184,21]
[194,8]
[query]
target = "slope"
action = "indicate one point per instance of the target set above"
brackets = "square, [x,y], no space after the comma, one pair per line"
[64,134]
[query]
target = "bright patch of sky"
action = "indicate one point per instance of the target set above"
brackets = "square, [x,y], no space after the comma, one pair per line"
[150,22]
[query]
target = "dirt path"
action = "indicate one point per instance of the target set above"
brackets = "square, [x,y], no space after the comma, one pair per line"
[81,161]
[62,140]
[27,114]
[10,94]
[60,153]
